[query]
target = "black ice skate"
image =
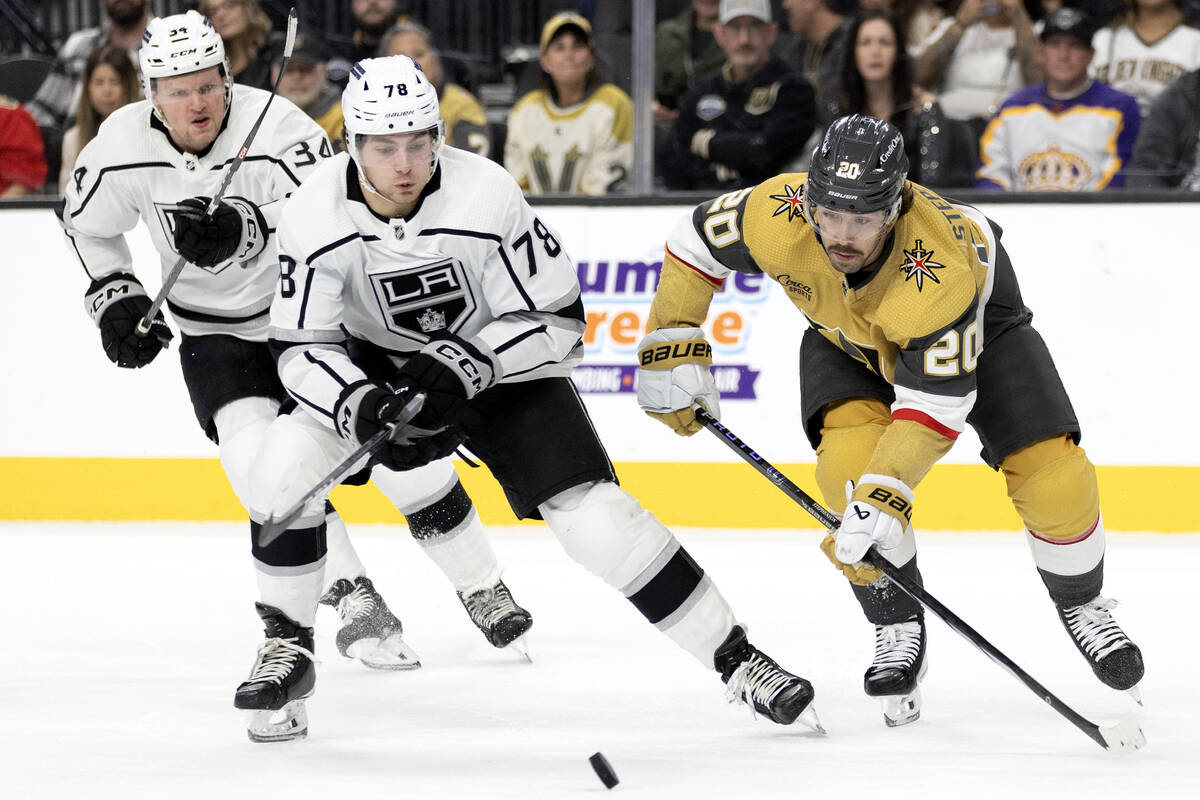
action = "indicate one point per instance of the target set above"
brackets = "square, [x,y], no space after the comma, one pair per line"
[755,680]
[497,615]
[370,632]
[1116,660]
[896,671]
[282,677]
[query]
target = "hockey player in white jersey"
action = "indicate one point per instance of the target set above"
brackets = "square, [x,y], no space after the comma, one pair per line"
[429,259]
[159,160]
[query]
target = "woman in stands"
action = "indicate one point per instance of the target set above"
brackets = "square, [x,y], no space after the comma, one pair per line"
[1145,49]
[109,82]
[876,79]
[244,29]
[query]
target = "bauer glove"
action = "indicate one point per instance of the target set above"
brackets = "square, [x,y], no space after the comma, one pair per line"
[674,375]
[236,230]
[117,304]
[878,512]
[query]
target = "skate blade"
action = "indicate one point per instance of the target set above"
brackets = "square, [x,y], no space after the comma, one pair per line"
[391,653]
[1136,694]
[902,709]
[521,647]
[278,725]
[1124,737]
[809,718]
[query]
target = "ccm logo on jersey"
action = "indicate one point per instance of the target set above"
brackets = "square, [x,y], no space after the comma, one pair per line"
[891,500]
[694,350]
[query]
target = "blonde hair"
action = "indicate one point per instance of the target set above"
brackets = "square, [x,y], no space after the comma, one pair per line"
[86,119]
[258,24]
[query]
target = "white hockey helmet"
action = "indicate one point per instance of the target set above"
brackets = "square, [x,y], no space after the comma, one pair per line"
[177,45]
[389,95]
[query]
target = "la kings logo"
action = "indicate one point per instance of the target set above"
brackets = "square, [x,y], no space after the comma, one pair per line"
[419,301]
[168,215]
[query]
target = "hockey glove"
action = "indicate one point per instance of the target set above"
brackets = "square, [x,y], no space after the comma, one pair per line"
[674,375]
[879,510]
[237,230]
[450,374]
[365,408]
[117,304]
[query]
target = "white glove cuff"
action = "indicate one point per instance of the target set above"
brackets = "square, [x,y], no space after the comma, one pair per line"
[254,229]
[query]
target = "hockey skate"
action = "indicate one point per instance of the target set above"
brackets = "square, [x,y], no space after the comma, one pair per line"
[1116,660]
[282,677]
[496,614]
[370,632]
[754,679]
[896,671]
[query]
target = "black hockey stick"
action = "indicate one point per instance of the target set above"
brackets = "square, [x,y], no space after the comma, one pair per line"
[274,527]
[143,326]
[1123,737]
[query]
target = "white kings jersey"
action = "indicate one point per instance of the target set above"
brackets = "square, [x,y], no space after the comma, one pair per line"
[472,262]
[132,170]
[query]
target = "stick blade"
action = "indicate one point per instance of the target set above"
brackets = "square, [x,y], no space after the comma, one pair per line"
[1124,737]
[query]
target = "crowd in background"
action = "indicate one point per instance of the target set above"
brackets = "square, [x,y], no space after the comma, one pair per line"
[1011,95]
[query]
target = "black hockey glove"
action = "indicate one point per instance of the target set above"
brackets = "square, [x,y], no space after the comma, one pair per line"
[365,408]
[117,304]
[237,230]
[450,374]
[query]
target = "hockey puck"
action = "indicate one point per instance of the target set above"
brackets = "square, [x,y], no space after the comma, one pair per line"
[604,770]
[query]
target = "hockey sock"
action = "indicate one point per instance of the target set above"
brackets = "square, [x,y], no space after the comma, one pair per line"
[290,570]
[450,533]
[341,559]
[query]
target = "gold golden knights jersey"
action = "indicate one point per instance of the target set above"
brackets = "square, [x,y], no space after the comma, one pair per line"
[917,320]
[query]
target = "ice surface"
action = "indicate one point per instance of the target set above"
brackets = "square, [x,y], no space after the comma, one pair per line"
[123,644]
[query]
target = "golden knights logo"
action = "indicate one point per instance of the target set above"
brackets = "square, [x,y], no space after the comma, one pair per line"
[791,201]
[418,301]
[919,265]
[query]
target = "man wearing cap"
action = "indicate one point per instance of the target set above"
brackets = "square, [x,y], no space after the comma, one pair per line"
[748,121]
[822,28]
[1068,134]
[306,83]
[574,133]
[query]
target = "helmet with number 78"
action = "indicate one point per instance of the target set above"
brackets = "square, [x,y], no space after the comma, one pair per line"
[386,96]
[859,167]
[178,45]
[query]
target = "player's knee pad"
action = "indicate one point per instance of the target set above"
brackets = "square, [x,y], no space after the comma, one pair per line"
[849,433]
[296,453]
[1053,487]
[607,531]
[241,425]
[415,489]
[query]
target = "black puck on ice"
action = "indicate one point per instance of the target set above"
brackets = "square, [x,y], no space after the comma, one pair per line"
[604,770]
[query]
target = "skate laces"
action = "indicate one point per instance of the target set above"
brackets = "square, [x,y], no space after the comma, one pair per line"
[756,682]
[1094,628]
[489,606]
[276,658]
[897,645]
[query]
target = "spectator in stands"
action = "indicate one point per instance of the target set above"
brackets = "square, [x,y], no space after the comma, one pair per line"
[109,82]
[819,50]
[876,80]
[306,82]
[22,159]
[574,134]
[466,124]
[55,103]
[685,51]
[1146,48]
[370,20]
[749,121]
[1165,156]
[244,28]
[1068,134]
[976,58]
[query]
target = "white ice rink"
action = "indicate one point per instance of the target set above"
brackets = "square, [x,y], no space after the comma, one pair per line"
[123,644]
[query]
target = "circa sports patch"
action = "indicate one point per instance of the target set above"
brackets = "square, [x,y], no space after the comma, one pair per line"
[710,107]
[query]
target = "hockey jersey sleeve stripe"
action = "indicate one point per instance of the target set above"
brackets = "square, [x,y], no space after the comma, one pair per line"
[331,246]
[277,162]
[311,404]
[716,282]
[115,168]
[310,358]
[308,282]
[198,316]
[508,376]
[491,237]
[500,348]
[921,417]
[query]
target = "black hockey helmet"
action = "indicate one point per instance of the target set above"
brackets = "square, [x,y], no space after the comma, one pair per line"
[860,166]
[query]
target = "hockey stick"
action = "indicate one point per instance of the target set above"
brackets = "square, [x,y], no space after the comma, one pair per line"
[1123,737]
[274,527]
[143,326]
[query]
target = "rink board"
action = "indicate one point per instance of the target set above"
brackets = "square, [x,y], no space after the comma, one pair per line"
[80,439]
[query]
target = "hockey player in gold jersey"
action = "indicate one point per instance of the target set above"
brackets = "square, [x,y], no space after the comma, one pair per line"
[916,328]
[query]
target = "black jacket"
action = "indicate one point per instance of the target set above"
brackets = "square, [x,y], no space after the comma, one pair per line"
[1165,151]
